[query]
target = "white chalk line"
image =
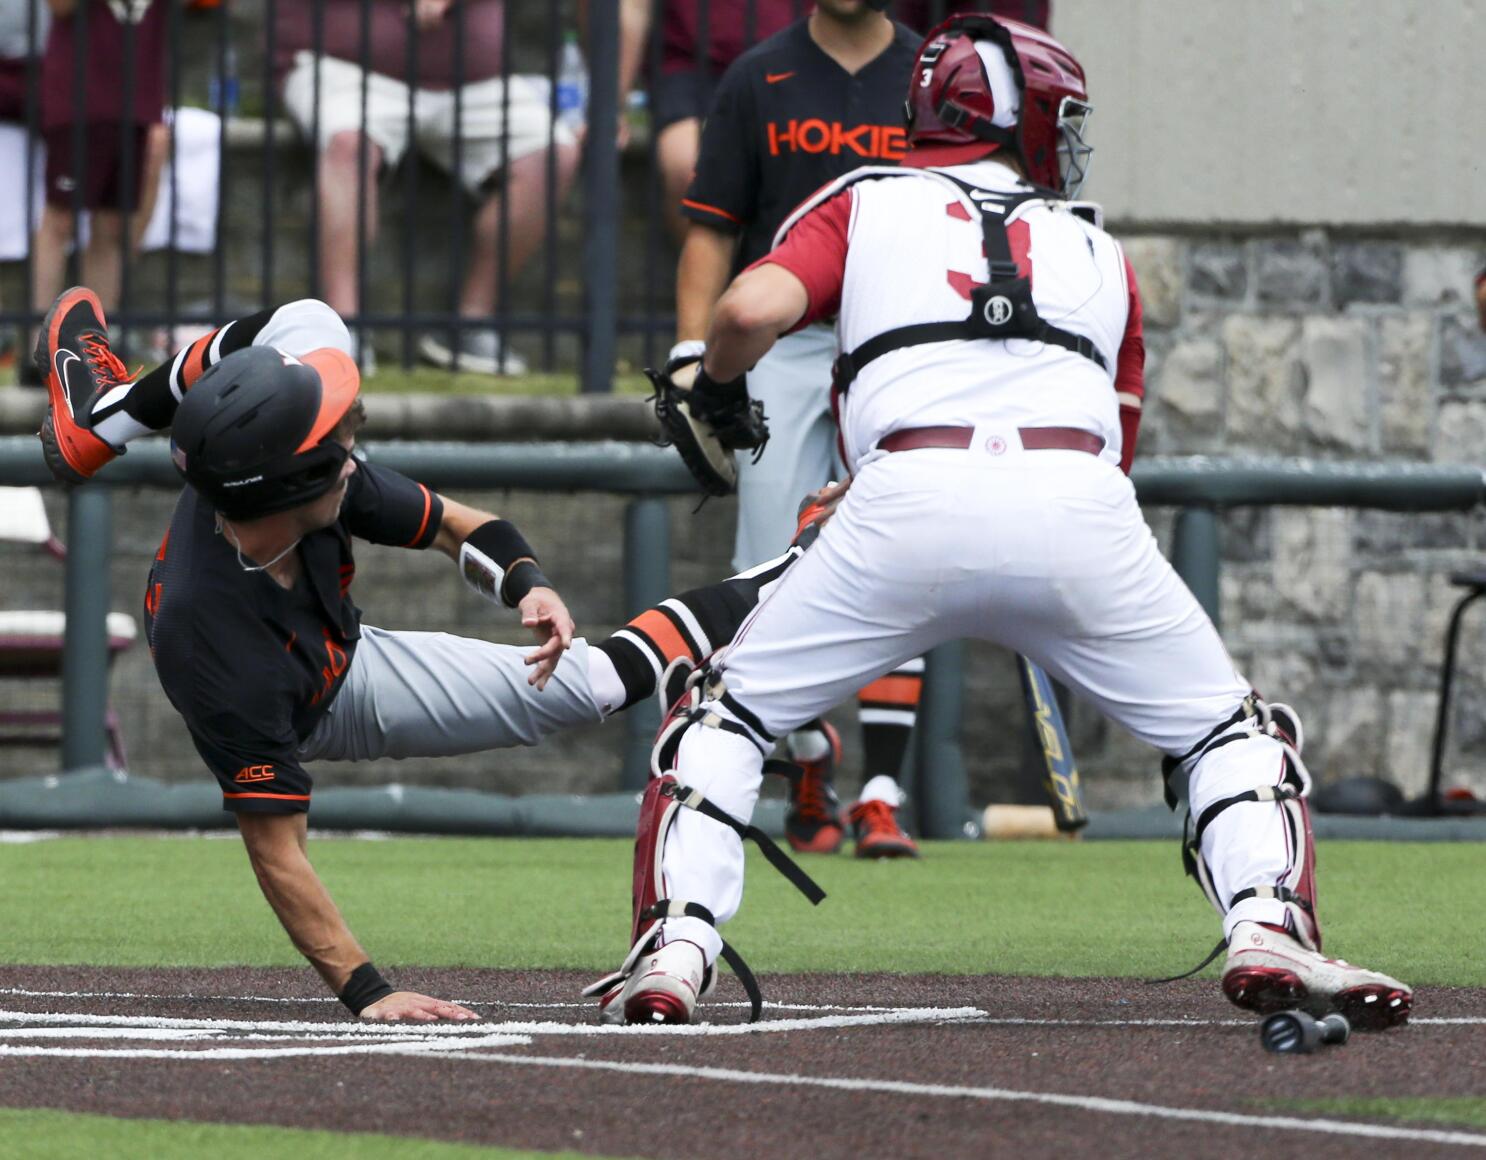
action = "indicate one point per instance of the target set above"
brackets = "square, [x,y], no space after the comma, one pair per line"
[1082,1103]
[86,1026]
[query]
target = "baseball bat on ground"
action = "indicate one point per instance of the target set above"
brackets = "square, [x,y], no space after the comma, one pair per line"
[1064,790]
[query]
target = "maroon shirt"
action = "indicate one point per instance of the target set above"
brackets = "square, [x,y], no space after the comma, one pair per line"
[725,30]
[473,30]
[102,80]
[919,14]
[726,27]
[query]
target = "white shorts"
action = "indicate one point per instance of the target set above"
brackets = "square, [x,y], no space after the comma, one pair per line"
[493,132]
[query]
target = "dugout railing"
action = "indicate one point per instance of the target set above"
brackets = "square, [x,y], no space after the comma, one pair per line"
[1199,488]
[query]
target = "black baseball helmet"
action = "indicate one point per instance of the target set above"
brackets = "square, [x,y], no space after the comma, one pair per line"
[251,433]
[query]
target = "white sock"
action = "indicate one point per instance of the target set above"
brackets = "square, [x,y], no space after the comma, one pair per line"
[119,428]
[882,788]
[603,681]
[808,744]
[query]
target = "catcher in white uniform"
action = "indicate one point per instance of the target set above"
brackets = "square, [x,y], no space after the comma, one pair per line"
[989,499]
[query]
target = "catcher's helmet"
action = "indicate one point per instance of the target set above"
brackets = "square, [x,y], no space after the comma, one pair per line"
[964,102]
[251,435]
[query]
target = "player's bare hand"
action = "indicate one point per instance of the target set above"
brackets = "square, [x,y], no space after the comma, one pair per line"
[543,611]
[411,1007]
[816,510]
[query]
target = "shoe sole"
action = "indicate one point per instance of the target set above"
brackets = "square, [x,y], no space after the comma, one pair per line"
[830,843]
[69,440]
[882,850]
[441,356]
[1368,1006]
[656,1007]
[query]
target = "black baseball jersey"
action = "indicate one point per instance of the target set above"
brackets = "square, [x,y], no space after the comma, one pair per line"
[786,120]
[252,666]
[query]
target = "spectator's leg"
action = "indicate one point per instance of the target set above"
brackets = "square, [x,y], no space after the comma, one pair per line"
[156,150]
[49,256]
[529,202]
[676,154]
[338,210]
[102,265]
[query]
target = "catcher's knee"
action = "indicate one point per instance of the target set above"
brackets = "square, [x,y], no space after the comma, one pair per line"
[1214,790]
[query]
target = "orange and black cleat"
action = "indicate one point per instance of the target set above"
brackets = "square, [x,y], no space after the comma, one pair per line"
[878,833]
[812,821]
[79,367]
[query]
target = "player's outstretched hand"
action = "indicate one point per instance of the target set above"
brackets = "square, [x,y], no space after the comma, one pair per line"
[414,1008]
[543,611]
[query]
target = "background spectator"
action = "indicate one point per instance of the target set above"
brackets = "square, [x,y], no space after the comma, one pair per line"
[461,44]
[699,39]
[23,28]
[104,141]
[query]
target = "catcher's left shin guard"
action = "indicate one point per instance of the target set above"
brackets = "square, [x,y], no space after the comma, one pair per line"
[1296,886]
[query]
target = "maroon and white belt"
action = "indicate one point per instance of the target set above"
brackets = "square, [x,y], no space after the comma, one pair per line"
[1033,439]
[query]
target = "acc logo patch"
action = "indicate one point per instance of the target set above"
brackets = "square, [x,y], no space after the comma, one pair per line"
[250,773]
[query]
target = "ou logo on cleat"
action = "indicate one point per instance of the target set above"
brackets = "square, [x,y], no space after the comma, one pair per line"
[997,310]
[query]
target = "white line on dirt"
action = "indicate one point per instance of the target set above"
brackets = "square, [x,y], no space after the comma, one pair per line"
[458,1030]
[1082,1103]
[394,1047]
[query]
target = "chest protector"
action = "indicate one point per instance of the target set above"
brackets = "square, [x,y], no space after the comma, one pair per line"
[1000,309]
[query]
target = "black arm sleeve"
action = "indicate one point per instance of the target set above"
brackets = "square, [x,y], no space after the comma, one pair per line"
[387,508]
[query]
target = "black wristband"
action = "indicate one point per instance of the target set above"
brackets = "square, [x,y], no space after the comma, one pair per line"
[488,556]
[719,394]
[363,988]
[521,578]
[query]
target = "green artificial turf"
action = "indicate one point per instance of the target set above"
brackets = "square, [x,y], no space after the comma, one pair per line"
[1453,1111]
[391,378]
[42,1134]
[1045,908]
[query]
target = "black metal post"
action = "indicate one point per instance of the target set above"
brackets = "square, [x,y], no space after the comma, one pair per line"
[85,646]
[943,791]
[601,233]
[647,581]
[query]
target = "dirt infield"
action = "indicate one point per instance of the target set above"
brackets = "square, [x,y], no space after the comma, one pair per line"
[841,1066]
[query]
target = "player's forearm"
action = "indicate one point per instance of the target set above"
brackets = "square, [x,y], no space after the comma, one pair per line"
[634,26]
[761,304]
[701,277]
[458,522]
[304,907]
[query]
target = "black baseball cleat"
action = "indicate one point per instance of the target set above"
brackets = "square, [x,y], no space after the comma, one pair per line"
[74,357]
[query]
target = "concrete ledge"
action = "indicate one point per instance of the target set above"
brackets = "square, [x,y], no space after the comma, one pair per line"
[465,418]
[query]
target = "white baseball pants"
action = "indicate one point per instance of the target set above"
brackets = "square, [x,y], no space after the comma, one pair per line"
[1044,552]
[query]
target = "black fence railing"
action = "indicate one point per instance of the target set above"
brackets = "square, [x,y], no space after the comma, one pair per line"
[510,204]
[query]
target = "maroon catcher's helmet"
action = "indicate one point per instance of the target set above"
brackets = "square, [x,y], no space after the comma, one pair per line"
[951,108]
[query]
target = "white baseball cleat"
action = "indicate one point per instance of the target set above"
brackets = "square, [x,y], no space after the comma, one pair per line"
[663,989]
[1270,971]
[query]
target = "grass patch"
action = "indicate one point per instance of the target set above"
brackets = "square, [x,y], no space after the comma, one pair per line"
[42,1134]
[391,378]
[1456,1111]
[1066,909]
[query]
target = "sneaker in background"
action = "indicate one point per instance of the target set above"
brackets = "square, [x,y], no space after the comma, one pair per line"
[812,819]
[480,351]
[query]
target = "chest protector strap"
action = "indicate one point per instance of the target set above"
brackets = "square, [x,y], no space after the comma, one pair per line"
[1000,309]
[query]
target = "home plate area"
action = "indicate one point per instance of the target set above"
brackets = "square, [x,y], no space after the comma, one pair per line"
[838,1066]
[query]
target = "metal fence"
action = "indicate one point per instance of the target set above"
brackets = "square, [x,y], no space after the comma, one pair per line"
[1199,489]
[423,259]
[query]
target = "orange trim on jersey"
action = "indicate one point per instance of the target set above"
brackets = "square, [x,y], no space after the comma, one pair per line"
[893,690]
[427,507]
[282,797]
[705,208]
[658,627]
[196,360]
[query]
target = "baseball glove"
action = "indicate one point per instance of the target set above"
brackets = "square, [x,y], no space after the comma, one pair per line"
[707,421]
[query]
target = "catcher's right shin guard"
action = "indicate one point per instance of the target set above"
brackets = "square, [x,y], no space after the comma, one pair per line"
[662,798]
